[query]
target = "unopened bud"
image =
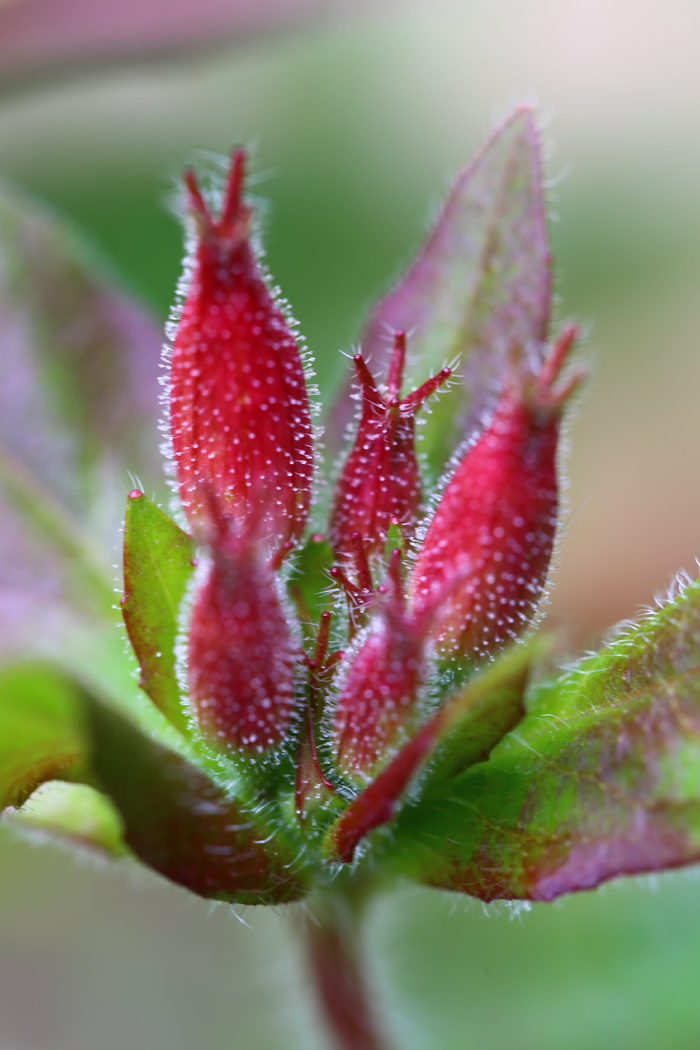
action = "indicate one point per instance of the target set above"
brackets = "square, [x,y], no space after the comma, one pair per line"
[483,561]
[380,481]
[239,410]
[378,693]
[241,652]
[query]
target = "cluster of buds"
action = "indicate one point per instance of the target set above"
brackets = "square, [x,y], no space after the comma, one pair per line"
[410,588]
[323,661]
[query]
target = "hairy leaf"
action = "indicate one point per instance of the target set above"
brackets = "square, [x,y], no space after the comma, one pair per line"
[602,778]
[78,405]
[480,284]
[158,564]
[183,825]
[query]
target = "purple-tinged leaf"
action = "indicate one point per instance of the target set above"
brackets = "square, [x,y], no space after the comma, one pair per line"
[480,284]
[81,363]
[474,719]
[38,35]
[182,824]
[174,817]
[78,404]
[601,779]
[158,564]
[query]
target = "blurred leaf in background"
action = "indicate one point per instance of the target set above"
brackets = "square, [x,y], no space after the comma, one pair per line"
[79,405]
[39,37]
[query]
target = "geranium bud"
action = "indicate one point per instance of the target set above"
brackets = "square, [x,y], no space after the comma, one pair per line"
[239,409]
[483,562]
[378,692]
[380,481]
[241,652]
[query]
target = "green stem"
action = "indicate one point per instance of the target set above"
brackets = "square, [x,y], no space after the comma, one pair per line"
[331,929]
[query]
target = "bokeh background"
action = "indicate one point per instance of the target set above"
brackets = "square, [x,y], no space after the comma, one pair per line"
[359,119]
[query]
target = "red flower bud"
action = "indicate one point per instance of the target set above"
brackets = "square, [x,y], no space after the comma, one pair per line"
[239,410]
[379,690]
[241,652]
[380,482]
[483,561]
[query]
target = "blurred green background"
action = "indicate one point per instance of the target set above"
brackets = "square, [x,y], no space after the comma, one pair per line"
[358,123]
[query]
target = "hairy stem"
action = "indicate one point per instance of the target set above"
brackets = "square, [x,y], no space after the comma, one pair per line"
[331,930]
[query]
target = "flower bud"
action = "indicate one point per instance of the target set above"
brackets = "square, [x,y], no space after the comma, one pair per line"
[482,565]
[380,481]
[239,409]
[379,690]
[241,652]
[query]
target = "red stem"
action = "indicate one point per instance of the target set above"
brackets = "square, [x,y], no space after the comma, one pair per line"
[338,977]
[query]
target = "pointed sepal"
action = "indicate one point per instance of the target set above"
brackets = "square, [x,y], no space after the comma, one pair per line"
[380,482]
[158,565]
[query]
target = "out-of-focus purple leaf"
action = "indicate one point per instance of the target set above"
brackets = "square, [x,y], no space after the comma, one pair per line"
[602,778]
[480,284]
[78,407]
[37,34]
[183,825]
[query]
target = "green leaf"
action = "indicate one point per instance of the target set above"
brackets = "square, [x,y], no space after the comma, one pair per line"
[72,813]
[158,565]
[602,778]
[182,824]
[478,715]
[464,731]
[159,804]
[40,730]
[480,284]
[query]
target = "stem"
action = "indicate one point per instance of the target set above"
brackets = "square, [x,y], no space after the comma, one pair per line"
[335,964]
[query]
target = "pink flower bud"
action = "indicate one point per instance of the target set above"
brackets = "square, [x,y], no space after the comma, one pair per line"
[379,690]
[380,481]
[239,410]
[483,561]
[241,652]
